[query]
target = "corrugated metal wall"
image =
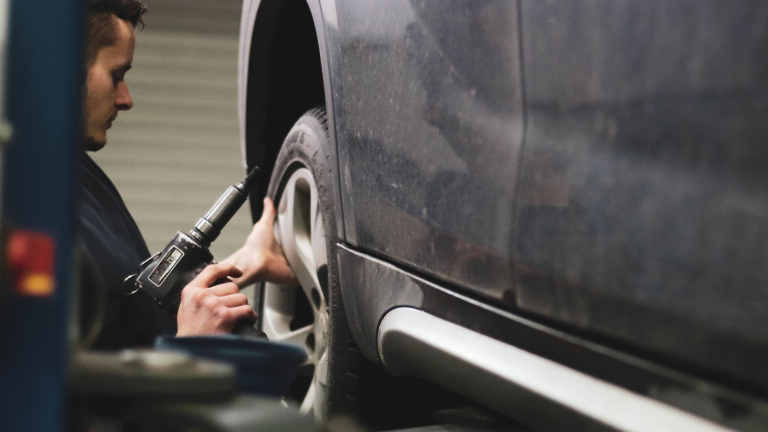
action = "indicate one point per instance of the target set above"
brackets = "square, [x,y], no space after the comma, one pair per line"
[177,150]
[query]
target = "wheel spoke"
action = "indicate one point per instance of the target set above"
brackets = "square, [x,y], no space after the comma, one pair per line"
[308,287]
[296,337]
[319,254]
[321,371]
[294,214]
[321,384]
[274,322]
[309,400]
[300,231]
[281,299]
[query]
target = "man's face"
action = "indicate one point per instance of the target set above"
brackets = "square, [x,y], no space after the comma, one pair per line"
[106,90]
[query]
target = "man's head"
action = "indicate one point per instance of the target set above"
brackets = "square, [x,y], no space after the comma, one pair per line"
[111,39]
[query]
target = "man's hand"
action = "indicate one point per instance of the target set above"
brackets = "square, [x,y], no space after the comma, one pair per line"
[261,258]
[207,309]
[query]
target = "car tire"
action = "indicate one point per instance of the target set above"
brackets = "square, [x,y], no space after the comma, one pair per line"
[301,187]
[341,380]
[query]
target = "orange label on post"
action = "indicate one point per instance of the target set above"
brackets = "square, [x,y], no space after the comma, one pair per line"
[31,262]
[40,285]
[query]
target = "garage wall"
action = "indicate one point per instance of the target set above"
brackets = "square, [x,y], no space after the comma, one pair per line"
[177,150]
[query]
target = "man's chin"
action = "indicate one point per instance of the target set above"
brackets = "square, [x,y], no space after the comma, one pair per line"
[93,144]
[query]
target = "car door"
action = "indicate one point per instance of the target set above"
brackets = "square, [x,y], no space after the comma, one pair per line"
[429,124]
[643,210]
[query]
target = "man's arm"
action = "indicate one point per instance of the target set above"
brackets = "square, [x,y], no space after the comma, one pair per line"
[261,258]
[207,309]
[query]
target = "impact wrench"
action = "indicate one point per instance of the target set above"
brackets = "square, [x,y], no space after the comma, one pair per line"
[164,275]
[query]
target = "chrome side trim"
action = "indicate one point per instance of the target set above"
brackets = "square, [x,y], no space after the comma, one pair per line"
[517,383]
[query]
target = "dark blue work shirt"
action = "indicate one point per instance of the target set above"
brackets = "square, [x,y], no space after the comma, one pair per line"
[110,237]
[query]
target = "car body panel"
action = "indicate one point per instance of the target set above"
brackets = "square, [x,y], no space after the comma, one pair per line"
[373,287]
[429,141]
[253,56]
[592,164]
[644,208]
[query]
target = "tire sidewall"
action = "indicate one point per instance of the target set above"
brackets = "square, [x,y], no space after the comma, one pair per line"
[307,146]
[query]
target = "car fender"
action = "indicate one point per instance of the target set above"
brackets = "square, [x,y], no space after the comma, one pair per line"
[266,12]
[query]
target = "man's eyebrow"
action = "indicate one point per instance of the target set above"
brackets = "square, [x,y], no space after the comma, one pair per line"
[124,68]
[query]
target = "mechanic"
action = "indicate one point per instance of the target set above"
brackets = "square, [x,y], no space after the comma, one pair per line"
[110,237]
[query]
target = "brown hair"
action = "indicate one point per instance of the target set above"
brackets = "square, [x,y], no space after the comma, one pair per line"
[101,30]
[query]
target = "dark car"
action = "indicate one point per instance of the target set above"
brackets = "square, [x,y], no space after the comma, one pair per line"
[555,209]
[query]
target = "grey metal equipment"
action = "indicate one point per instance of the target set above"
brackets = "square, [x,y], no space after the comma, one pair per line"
[151,391]
[160,374]
[517,383]
[244,413]
[164,275]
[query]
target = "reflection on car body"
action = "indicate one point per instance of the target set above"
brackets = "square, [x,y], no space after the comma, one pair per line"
[591,169]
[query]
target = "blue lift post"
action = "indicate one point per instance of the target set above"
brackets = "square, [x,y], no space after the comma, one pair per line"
[44,80]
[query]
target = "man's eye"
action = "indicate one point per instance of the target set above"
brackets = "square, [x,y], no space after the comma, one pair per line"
[116,78]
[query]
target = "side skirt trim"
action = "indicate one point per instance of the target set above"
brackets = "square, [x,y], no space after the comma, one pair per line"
[518,383]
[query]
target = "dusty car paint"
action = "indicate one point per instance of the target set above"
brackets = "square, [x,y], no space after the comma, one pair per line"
[641,207]
[593,164]
[650,119]
[429,129]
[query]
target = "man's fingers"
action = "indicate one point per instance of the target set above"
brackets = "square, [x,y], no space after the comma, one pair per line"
[280,272]
[214,272]
[268,215]
[244,312]
[265,210]
[234,300]
[224,289]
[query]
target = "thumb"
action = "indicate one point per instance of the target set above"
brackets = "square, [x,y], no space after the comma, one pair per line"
[268,214]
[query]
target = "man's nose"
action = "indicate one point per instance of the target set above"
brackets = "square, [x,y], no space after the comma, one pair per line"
[123,100]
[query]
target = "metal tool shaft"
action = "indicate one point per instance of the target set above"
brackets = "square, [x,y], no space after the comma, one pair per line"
[209,226]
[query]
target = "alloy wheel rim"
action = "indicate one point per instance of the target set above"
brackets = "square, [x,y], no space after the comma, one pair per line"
[299,230]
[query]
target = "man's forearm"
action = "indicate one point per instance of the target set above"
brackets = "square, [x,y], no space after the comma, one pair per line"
[248,261]
[261,258]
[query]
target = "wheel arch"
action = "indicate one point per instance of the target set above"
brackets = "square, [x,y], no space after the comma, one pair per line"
[283,72]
